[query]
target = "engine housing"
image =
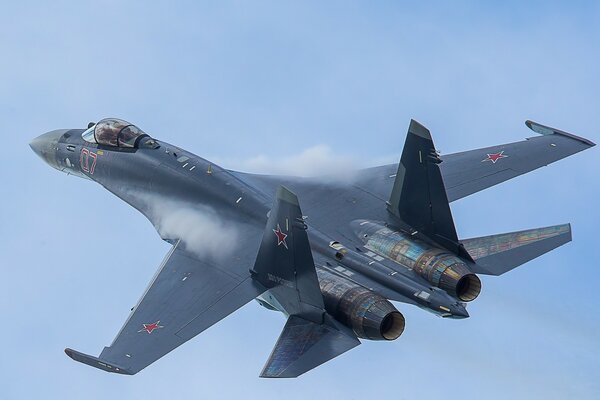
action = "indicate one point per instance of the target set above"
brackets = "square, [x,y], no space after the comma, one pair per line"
[441,268]
[368,314]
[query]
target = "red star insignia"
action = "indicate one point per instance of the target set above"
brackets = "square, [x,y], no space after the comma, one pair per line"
[495,157]
[150,327]
[280,236]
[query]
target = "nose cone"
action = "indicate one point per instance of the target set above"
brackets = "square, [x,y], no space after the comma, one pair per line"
[46,145]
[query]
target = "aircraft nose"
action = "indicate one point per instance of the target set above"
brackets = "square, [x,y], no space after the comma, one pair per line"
[45,146]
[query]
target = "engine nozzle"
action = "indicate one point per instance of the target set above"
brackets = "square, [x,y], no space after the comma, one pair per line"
[441,268]
[368,314]
[449,273]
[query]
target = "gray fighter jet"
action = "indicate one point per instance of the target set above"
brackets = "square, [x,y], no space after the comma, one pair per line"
[332,268]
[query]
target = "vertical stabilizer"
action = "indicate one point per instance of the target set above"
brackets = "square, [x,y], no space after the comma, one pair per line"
[418,197]
[285,266]
[285,259]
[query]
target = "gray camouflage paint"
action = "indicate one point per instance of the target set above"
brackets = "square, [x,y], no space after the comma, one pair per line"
[356,274]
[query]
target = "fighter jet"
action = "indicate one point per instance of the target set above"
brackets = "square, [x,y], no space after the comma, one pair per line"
[333,267]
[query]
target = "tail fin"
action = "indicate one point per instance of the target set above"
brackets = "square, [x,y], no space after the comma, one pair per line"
[498,254]
[285,259]
[419,197]
[285,265]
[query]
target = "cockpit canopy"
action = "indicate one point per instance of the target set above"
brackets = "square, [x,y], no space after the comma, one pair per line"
[114,132]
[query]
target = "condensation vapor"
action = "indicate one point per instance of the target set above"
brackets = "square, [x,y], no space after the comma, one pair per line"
[201,230]
[319,162]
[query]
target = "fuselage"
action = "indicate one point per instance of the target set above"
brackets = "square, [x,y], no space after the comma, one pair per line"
[160,180]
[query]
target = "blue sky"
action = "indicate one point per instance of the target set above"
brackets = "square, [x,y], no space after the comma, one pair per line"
[279,86]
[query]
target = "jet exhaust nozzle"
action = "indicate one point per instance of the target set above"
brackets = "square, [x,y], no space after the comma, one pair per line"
[368,314]
[449,273]
[468,287]
[441,268]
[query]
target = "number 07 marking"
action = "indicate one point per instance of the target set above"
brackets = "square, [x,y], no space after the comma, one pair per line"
[84,161]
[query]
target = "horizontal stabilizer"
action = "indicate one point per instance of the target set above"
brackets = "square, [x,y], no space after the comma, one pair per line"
[497,254]
[95,362]
[304,345]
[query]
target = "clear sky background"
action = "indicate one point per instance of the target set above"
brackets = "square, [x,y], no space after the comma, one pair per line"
[297,87]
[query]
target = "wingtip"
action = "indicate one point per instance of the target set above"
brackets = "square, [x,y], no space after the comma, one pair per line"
[547,130]
[69,352]
[96,362]
[529,123]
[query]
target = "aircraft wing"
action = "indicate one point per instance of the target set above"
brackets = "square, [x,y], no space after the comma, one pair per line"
[462,174]
[186,296]
[471,171]
[331,204]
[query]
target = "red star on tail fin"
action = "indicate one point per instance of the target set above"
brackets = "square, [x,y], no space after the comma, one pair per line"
[280,237]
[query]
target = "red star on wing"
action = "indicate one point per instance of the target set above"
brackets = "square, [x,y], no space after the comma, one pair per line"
[495,157]
[150,327]
[280,236]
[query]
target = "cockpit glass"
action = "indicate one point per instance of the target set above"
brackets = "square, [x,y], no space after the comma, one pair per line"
[107,131]
[88,135]
[128,136]
[114,132]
